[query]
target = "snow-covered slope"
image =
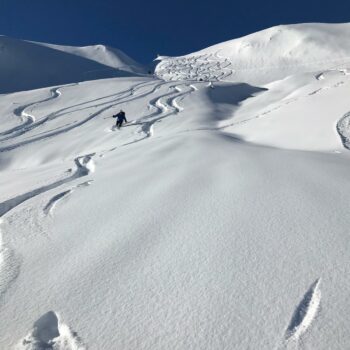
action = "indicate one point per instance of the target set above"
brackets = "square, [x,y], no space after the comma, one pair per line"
[105,55]
[26,65]
[217,218]
[265,56]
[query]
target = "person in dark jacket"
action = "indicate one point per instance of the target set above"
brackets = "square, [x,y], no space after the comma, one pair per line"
[120,118]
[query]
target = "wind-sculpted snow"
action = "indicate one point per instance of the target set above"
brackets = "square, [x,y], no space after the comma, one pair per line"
[343,128]
[49,332]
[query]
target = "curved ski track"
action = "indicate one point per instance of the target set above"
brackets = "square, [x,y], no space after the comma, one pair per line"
[9,264]
[27,118]
[164,105]
[205,67]
[161,107]
[121,97]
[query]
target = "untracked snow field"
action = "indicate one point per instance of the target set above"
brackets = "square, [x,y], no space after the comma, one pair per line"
[217,218]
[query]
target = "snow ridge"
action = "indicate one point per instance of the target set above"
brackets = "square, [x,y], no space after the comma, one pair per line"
[265,56]
[28,65]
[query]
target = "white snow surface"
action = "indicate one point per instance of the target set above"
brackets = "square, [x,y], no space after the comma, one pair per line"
[216,218]
[265,56]
[26,65]
[105,55]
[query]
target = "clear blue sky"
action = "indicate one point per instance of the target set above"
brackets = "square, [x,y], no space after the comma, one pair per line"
[144,28]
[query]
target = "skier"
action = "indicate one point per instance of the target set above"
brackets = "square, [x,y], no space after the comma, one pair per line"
[120,118]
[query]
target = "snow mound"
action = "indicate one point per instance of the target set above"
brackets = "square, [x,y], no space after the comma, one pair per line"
[265,56]
[26,65]
[50,333]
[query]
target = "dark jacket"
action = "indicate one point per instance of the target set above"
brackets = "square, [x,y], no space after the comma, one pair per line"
[121,117]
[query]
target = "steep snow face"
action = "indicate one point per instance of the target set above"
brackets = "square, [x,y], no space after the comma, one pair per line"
[26,65]
[265,56]
[105,55]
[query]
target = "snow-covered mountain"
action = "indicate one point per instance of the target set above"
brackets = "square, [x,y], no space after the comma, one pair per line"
[216,218]
[26,65]
[102,54]
[265,56]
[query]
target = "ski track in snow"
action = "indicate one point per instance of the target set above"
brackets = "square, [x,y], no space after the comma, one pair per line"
[172,69]
[27,118]
[206,67]
[165,105]
[322,75]
[84,164]
[9,266]
[50,206]
[50,333]
[285,102]
[162,106]
[122,97]
[343,128]
[339,83]
[53,201]
[305,313]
